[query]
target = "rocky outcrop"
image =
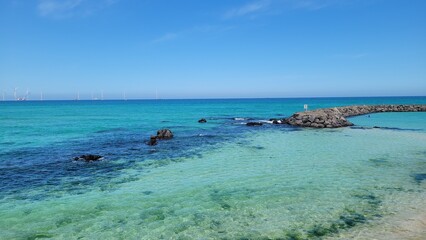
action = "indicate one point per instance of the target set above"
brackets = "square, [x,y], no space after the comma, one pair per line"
[88,158]
[164,134]
[202,120]
[336,117]
[276,121]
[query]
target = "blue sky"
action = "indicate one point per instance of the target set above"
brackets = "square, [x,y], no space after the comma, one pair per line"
[212,49]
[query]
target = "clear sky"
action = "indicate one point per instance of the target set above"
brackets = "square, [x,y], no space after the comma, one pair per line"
[212,49]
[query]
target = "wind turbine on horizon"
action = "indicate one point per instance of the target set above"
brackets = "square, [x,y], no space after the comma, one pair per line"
[15,95]
[26,95]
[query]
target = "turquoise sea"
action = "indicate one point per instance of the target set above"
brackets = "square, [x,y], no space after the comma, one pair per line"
[217,180]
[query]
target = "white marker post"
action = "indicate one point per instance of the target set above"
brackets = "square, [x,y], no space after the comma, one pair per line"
[305,107]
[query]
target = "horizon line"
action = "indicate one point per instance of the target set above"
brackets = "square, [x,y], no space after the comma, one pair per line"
[223,98]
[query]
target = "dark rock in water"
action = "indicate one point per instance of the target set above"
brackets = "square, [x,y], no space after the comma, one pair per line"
[202,120]
[420,177]
[376,127]
[254,124]
[152,141]
[164,134]
[88,158]
[276,121]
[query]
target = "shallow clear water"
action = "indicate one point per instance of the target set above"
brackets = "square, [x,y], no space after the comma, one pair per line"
[216,180]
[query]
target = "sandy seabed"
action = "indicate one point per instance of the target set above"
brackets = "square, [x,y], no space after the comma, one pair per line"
[409,223]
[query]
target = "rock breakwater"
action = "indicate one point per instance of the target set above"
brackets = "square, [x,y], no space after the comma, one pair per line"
[336,117]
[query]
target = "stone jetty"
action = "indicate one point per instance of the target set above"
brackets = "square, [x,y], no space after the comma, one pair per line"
[336,117]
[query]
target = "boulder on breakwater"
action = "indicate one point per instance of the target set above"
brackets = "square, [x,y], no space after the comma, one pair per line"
[336,117]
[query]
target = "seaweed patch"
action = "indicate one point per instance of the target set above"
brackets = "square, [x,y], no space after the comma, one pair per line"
[419,177]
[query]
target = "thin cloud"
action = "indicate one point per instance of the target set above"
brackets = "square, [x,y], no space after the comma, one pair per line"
[207,29]
[53,7]
[165,37]
[315,4]
[350,56]
[262,7]
[247,9]
[202,29]
[310,4]
[71,8]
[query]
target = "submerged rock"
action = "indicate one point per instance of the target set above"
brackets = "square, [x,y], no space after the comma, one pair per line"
[202,120]
[351,219]
[254,124]
[88,158]
[152,141]
[419,177]
[164,134]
